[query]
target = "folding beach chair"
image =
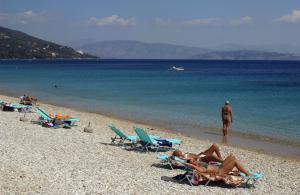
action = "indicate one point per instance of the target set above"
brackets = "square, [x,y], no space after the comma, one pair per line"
[172,161]
[46,117]
[121,137]
[233,178]
[149,141]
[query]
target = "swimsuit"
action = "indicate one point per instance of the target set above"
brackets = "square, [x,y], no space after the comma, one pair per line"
[226,117]
[226,114]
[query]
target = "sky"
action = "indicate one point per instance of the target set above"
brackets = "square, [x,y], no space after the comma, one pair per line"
[201,23]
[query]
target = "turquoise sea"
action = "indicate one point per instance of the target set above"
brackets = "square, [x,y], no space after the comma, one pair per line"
[265,95]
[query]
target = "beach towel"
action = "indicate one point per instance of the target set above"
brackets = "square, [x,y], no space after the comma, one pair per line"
[232,178]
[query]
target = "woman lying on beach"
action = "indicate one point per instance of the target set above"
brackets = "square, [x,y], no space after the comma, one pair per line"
[226,166]
[206,156]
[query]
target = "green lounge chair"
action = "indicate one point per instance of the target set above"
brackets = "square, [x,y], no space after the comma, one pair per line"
[46,117]
[122,137]
[150,141]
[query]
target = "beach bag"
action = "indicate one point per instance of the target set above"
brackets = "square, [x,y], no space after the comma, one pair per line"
[163,142]
[57,122]
[47,124]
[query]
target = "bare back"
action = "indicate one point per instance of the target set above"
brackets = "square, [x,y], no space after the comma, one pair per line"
[226,114]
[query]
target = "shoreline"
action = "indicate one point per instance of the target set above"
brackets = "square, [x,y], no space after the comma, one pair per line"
[39,160]
[237,139]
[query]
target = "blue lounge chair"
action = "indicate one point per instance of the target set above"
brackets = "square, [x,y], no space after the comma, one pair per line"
[171,160]
[15,106]
[46,117]
[19,106]
[122,137]
[239,177]
[251,180]
[149,141]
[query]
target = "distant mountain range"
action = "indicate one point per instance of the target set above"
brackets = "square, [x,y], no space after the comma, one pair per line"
[18,45]
[246,55]
[123,49]
[281,48]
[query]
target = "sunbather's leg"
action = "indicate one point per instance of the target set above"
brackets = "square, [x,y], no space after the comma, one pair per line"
[209,158]
[229,163]
[213,148]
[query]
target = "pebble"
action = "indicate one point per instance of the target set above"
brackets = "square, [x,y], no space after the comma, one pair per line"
[65,161]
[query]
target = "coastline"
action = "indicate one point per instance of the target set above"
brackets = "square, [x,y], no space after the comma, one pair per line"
[42,160]
[257,143]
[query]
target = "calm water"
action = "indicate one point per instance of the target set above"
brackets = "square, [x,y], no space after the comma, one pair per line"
[265,95]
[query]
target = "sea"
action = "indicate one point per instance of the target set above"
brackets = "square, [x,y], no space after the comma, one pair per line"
[265,95]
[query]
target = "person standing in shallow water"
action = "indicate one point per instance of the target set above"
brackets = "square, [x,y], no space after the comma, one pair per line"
[227,117]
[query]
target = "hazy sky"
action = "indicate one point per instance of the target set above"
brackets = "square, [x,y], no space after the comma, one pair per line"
[204,23]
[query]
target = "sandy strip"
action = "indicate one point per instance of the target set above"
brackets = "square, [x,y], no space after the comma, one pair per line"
[38,160]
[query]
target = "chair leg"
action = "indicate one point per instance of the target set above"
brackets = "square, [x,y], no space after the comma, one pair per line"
[207,182]
[143,147]
[123,143]
[189,178]
[170,164]
[113,139]
[119,143]
[146,147]
[133,145]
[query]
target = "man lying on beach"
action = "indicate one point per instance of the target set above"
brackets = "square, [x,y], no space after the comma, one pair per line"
[206,156]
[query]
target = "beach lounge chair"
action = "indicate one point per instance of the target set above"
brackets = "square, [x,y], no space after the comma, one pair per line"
[154,142]
[233,178]
[121,137]
[175,161]
[46,117]
[19,106]
[12,107]
[172,161]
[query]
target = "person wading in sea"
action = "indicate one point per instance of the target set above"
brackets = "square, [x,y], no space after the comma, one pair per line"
[227,117]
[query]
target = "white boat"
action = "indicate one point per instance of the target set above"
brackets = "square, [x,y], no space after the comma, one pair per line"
[179,68]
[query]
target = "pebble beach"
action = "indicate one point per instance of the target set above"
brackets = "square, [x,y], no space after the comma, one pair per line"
[39,160]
